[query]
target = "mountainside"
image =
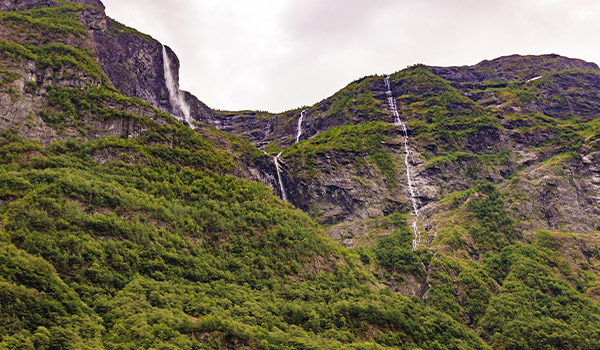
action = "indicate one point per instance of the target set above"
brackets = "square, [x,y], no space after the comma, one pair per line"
[448,116]
[435,208]
[132,61]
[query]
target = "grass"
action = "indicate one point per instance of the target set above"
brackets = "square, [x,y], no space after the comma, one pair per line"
[58,57]
[47,23]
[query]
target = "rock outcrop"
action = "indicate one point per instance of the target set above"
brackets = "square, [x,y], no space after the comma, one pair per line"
[131,60]
[134,63]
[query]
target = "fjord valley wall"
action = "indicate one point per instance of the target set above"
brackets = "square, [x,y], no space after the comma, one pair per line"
[466,124]
[73,73]
[504,156]
[121,227]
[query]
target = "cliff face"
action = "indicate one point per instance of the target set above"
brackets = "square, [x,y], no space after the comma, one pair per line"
[487,122]
[70,73]
[24,5]
[527,124]
[132,61]
[511,68]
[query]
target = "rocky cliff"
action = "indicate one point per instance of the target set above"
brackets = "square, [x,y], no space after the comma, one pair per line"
[132,61]
[71,73]
[494,121]
[123,228]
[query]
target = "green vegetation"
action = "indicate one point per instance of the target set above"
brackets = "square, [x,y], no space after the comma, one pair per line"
[155,251]
[535,309]
[7,77]
[272,149]
[366,137]
[74,104]
[494,227]
[46,24]
[365,141]
[57,57]
[437,114]
[355,103]
[116,28]
[147,239]
[394,252]
[385,163]
[481,160]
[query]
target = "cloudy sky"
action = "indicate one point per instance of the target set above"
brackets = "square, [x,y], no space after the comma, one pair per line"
[280,54]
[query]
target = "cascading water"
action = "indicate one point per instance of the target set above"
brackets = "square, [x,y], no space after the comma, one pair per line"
[278,169]
[411,187]
[299,132]
[276,158]
[175,97]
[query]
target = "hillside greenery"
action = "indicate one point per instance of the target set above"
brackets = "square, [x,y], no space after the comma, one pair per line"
[151,240]
[121,254]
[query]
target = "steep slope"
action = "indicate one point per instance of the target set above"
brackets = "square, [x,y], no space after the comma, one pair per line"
[55,86]
[483,129]
[148,246]
[505,156]
[132,61]
[122,228]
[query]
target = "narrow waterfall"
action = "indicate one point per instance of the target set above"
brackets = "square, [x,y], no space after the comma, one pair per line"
[409,174]
[278,169]
[276,158]
[299,132]
[181,109]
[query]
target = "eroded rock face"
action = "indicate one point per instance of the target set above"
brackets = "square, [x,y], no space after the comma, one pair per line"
[562,194]
[342,186]
[133,65]
[516,149]
[23,5]
[342,191]
[132,61]
[93,3]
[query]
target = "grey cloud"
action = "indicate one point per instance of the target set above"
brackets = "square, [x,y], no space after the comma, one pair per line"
[277,55]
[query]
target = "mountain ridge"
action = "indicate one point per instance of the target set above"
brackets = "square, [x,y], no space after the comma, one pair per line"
[121,227]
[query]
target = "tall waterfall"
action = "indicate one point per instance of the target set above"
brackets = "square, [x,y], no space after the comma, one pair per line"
[409,174]
[299,132]
[276,158]
[180,107]
[278,169]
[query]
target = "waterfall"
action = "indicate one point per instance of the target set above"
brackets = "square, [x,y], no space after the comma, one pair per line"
[278,169]
[276,158]
[409,176]
[181,109]
[299,132]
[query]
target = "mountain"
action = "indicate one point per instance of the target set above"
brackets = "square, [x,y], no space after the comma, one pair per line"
[435,208]
[501,127]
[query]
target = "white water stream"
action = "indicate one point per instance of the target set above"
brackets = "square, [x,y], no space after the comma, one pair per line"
[175,96]
[276,158]
[409,174]
[299,133]
[278,169]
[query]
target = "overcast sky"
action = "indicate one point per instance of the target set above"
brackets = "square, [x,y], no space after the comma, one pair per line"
[281,54]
